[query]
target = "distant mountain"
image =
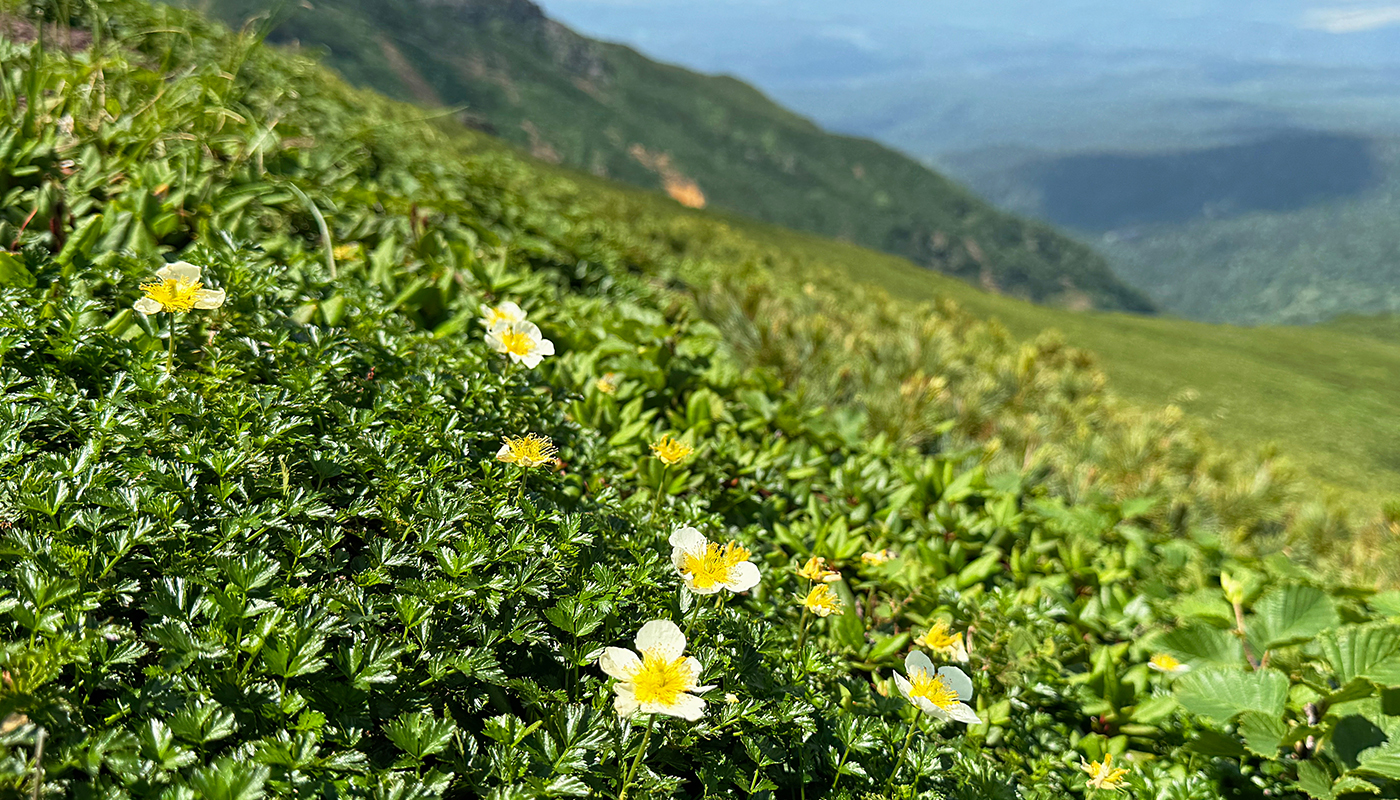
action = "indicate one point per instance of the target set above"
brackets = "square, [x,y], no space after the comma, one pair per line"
[711,141]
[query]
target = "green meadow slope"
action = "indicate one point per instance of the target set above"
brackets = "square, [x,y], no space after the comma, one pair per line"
[314,525]
[1328,396]
[606,109]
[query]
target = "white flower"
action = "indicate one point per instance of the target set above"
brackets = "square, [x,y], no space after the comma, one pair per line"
[521,341]
[659,680]
[940,693]
[1168,664]
[707,567]
[177,288]
[504,313]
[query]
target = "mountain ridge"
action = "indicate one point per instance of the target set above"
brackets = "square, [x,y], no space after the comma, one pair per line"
[705,140]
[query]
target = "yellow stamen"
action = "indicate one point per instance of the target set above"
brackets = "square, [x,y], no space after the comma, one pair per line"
[822,601]
[671,451]
[518,344]
[939,637]
[659,680]
[173,295]
[1166,662]
[531,450]
[1103,775]
[714,566]
[815,570]
[933,688]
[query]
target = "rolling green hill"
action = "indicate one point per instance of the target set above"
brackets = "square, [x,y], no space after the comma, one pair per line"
[706,140]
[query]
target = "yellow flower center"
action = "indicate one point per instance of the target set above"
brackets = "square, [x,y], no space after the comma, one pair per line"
[528,451]
[518,344]
[659,680]
[671,451]
[1103,775]
[822,601]
[938,637]
[1165,662]
[714,566]
[933,688]
[173,295]
[815,570]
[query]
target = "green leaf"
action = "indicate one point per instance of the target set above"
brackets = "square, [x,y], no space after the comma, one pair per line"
[420,735]
[1263,734]
[1291,615]
[1364,651]
[1315,780]
[1200,645]
[1222,694]
[1382,762]
[1214,743]
[14,273]
[1387,603]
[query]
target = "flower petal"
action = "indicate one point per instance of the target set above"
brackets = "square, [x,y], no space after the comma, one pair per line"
[529,329]
[689,580]
[182,271]
[743,577]
[662,637]
[146,306]
[689,539]
[962,712]
[958,680]
[903,684]
[692,666]
[209,298]
[932,710]
[510,311]
[620,663]
[917,661]
[625,704]
[545,347]
[687,707]
[531,359]
[494,340]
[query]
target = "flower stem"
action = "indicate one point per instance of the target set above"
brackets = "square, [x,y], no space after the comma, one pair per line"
[170,354]
[802,637]
[840,764]
[656,498]
[690,626]
[899,762]
[636,764]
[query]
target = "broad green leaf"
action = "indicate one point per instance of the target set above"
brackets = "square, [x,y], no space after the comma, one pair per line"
[1222,694]
[1214,743]
[1263,734]
[1291,615]
[1315,780]
[1200,645]
[1387,603]
[1383,762]
[1364,651]
[14,273]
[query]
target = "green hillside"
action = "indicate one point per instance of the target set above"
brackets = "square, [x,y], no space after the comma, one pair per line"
[1297,267]
[1328,396]
[606,109]
[287,510]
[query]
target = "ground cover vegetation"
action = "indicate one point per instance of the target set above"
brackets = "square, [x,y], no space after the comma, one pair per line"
[346,455]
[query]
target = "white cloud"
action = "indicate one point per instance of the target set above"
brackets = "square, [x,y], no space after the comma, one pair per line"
[1353,19]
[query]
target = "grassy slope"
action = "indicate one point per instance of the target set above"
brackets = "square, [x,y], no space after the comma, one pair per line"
[1329,396]
[590,104]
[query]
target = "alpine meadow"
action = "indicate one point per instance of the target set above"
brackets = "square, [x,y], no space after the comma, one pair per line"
[348,452]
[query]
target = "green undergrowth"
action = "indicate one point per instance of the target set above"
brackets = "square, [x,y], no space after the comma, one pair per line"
[287,562]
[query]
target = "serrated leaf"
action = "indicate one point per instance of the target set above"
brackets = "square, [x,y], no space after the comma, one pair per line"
[1263,734]
[1214,743]
[1383,762]
[1291,615]
[1387,603]
[1222,694]
[1364,651]
[1200,645]
[1314,780]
